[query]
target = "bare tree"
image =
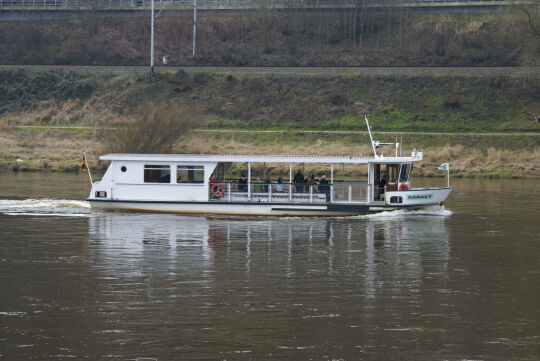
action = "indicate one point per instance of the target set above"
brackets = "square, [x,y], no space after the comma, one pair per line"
[93,7]
[532,12]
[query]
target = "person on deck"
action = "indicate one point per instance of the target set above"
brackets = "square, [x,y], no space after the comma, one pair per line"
[267,181]
[382,186]
[310,182]
[242,183]
[324,187]
[279,185]
[299,181]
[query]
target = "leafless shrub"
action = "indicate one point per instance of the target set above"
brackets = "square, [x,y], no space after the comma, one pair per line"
[3,125]
[155,130]
[497,155]
[445,154]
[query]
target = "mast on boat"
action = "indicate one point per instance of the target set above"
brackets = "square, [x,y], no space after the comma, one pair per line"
[366,117]
[375,144]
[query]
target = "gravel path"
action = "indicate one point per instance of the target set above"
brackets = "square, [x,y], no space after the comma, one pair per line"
[304,71]
[291,131]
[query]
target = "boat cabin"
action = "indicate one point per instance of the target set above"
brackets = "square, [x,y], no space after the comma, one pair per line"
[208,178]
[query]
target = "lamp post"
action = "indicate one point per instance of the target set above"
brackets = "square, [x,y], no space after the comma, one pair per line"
[194,26]
[152,37]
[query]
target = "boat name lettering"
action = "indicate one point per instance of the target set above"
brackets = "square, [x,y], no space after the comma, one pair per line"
[420,196]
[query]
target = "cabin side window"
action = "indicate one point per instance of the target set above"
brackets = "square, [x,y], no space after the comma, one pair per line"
[392,173]
[404,174]
[157,173]
[189,174]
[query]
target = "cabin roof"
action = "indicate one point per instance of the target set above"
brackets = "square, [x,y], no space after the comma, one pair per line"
[211,158]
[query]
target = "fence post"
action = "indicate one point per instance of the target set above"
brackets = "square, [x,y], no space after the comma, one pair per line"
[311,193]
[270,193]
[229,191]
[350,193]
[290,192]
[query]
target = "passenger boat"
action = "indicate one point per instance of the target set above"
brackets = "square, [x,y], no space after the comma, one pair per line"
[199,184]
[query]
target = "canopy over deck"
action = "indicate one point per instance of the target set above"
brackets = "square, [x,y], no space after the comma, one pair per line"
[211,158]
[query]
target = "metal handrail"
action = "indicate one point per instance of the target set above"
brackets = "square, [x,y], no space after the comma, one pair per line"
[261,191]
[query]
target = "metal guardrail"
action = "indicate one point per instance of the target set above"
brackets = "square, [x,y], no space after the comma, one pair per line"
[236,4]
[258,192]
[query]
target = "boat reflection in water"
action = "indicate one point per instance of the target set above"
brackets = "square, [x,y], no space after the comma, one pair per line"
[221,287]
[369,247]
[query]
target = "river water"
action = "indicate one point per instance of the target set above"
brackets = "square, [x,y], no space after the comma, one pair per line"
[455,283]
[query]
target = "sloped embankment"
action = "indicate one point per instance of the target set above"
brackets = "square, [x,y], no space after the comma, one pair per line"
[459,105]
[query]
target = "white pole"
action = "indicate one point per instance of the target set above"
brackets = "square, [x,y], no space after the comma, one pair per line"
[332,182]
[370,137]
[88,168]
[152,37]
[249,180]
[194,26]
[290,182]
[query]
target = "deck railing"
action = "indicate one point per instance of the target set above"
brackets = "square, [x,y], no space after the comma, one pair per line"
[260,192]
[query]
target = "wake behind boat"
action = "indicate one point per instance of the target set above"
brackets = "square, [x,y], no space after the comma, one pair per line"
[202,184]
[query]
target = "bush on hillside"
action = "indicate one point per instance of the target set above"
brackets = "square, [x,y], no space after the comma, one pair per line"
[155,130]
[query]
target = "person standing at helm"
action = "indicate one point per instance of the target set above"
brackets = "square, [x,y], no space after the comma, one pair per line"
[299,181]
[382,185]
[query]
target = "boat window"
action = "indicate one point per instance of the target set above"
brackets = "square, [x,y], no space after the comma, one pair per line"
[404,175]
[189,174]
[157,173]
[392,173]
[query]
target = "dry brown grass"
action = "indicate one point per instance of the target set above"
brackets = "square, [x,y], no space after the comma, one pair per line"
[463,162]
[201,144]
[53,151]
[489,162]
[3,125]
[72,111]
[61,150]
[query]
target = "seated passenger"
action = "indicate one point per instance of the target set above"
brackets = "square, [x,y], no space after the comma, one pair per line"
[310,184]
[279,185]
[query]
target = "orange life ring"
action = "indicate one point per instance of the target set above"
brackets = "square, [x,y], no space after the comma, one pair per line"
[217,190]
[403,187]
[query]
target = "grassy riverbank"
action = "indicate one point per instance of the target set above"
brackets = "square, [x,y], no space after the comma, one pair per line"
[310,115]
[470,156]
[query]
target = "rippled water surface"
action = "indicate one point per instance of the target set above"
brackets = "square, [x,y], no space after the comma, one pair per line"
[457,283]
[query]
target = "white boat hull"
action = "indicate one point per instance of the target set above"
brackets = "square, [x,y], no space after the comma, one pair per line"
[244,209]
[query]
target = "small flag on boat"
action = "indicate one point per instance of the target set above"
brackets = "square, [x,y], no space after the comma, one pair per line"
[83,163]
[444,166]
